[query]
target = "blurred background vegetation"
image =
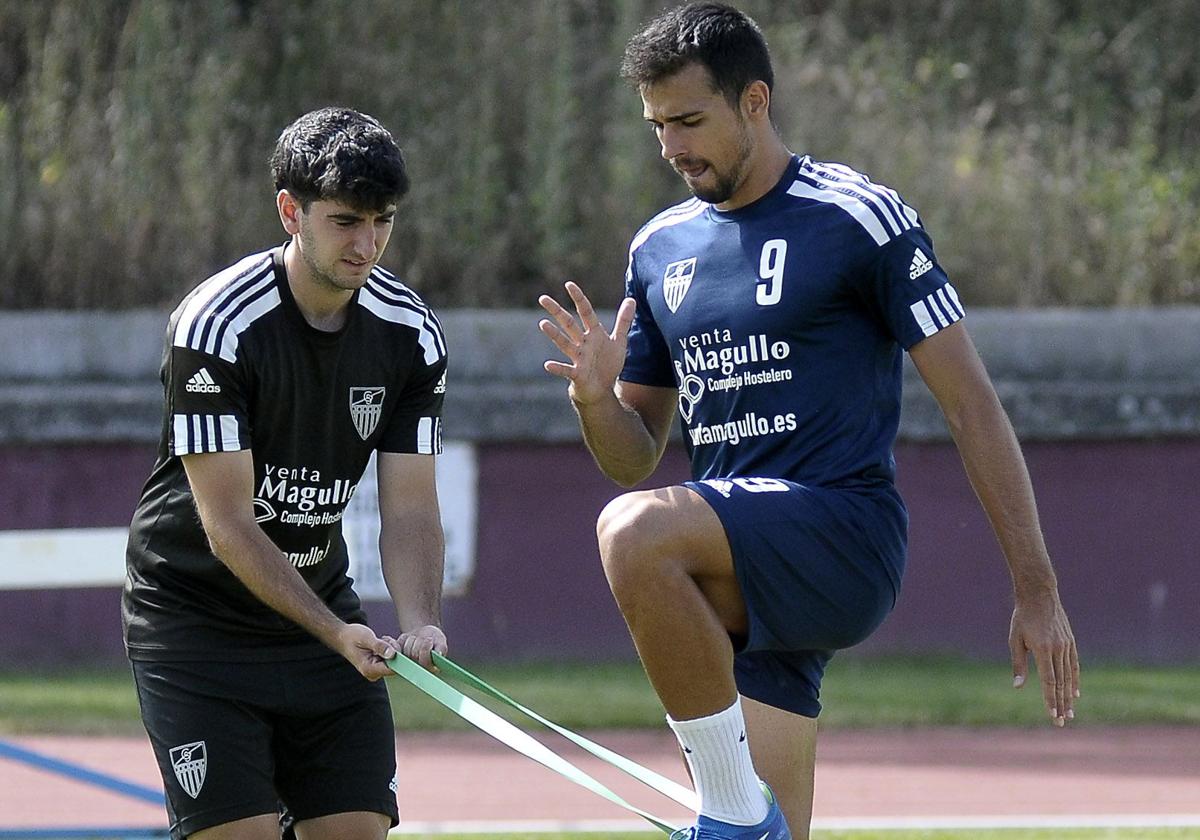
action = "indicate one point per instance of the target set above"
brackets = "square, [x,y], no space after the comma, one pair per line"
[1052,147]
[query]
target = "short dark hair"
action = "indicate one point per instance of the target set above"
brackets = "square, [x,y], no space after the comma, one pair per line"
[338,154]
[720,37]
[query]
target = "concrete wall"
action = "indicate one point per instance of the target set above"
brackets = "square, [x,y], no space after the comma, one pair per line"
[1108,404]
[1063,375]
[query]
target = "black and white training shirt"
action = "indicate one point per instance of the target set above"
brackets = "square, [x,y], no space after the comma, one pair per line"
[242,369]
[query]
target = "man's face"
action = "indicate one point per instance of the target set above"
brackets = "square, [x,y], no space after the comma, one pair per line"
[704,139]
[340,244]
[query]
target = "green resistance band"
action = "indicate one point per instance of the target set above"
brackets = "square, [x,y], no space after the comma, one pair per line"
[508,734]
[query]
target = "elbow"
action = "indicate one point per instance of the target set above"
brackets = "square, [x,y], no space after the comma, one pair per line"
[629,477]
[981,419]
[632,469]
[626,472]
[226,539]
[954,423]
[220,541]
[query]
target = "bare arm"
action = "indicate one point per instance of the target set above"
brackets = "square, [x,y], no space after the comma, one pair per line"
[412,550]
[627,433]
[223,486]
[625,425]
[996,468]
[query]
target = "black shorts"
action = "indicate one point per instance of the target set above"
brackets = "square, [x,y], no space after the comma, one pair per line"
[241,739]
[819,570]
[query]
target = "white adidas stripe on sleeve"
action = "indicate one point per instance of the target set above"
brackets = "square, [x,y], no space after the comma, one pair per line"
[937,310]
[193,434]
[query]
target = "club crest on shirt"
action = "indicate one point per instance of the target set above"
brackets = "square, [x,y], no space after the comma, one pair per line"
[366,407]
[677,279]
[190,763]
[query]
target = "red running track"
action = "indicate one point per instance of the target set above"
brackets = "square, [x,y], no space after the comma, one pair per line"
[874,777]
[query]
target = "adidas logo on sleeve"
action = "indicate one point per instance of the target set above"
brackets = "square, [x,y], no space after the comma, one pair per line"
[202,383]
[921,264]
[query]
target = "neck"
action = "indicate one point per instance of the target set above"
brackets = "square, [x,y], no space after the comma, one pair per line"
[323,306]
[767,165]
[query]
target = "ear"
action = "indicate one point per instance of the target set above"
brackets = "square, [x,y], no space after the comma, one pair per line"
[289,211]
[756,100]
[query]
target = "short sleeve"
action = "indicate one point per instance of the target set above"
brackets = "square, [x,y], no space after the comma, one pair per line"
[647,359]
[415,425]
[910,290]
[207,406]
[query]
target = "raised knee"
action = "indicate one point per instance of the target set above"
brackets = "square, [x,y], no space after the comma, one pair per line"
[617,526]
[627,534]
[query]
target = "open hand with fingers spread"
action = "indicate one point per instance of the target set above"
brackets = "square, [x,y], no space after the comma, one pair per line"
[594,356]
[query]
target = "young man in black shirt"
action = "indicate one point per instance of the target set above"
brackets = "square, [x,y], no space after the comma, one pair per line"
[282,374]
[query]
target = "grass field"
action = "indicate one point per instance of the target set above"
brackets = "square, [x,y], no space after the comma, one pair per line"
[858,693]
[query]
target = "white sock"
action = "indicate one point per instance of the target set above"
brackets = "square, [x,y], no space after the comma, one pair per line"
[718,755]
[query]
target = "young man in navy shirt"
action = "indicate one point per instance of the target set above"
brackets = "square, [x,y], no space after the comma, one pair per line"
[771,311]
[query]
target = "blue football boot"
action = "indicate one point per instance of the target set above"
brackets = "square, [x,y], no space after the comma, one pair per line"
[773,827]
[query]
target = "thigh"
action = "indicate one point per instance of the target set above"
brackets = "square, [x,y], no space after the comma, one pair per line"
[783,746]
[644,532]
[335,744]
[358,825]
[263,827]
[212,743]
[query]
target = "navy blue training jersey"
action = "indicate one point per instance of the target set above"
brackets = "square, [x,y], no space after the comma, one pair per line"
[782,323]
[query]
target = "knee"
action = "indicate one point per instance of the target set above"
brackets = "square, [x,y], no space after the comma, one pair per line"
[625,532]
[618,526]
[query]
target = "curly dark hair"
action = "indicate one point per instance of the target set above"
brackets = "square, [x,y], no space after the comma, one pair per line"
[339,154]
[720,37]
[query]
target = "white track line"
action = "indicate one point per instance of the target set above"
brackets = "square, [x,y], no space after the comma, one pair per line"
[1033,821]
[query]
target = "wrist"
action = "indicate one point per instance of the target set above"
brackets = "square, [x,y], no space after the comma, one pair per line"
[579,403]
[1039,589]
[409,624]
[333,634]
[582,401]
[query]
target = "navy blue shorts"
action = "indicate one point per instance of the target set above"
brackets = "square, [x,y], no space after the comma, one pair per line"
[819,569]
[240,739]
